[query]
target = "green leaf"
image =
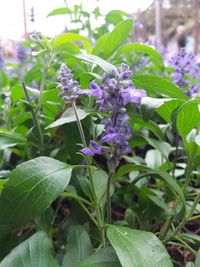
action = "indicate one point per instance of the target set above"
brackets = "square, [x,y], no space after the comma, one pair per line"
[115,16]
[197,260]
[105,257]
[69,37]
[141,48]
[136,248]
[163,147]
[31,188]
[3,79]
[155,86]
[169,181]
[152,126]
[106,66]
[107,45]
[78,246]
[190,264]
[188,236]
[167,108]
[59,11]
[68,116]
[35,251]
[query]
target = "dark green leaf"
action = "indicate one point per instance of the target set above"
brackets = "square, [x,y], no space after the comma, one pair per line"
[31,188]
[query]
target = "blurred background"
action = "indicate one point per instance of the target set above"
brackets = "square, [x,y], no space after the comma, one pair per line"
[169,24]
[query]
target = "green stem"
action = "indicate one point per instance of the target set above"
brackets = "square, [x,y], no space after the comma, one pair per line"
[185,219]
[165,228]
[43,81]
[34,118]
[186,245]
[98,213]
[109,210]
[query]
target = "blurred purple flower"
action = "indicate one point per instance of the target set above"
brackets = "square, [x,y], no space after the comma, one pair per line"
[94,149]
[23,53]
[185,63]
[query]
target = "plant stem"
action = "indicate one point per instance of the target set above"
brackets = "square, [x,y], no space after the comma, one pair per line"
[98,213]
[109,211]
[176,155]
[79,125]
[42,85]
[34,118]
[165,228]
[185,219]
[186,245]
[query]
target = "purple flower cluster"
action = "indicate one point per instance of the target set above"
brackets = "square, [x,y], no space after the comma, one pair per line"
[113,96]
[69,87]
[185,63]
[23,53]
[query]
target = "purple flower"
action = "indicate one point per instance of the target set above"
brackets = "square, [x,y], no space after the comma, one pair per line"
[133,95]
[68,86]
[23,53]
[113,95]
[94,149]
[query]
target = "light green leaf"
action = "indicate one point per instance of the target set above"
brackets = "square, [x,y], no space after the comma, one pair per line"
[136,248]
[107,45]
[163,147]
[142,48]
[68,116]
[78,246]
[69,37]
[106,66]
[105,257]
[115,16]
[59,11]
[31,188]
[35,251]
[155,86]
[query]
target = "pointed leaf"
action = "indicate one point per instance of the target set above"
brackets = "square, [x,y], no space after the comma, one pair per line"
[31,188]
[136,248]
[35,251]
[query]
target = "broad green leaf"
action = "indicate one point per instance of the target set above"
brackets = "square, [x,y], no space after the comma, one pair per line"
[78,246]
[136,248]
[31,188]
[163,147]
[107,45]
[142,48]
[188,117]
[154,159]
[6,142]
[59,11]
[155,86]
[152,126]
[106,66]
[106,257]
[68,116]
[167,108]
[115,16]
[35,251]
[69,37]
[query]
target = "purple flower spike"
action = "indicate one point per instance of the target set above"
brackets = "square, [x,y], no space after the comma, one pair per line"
[69,87]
